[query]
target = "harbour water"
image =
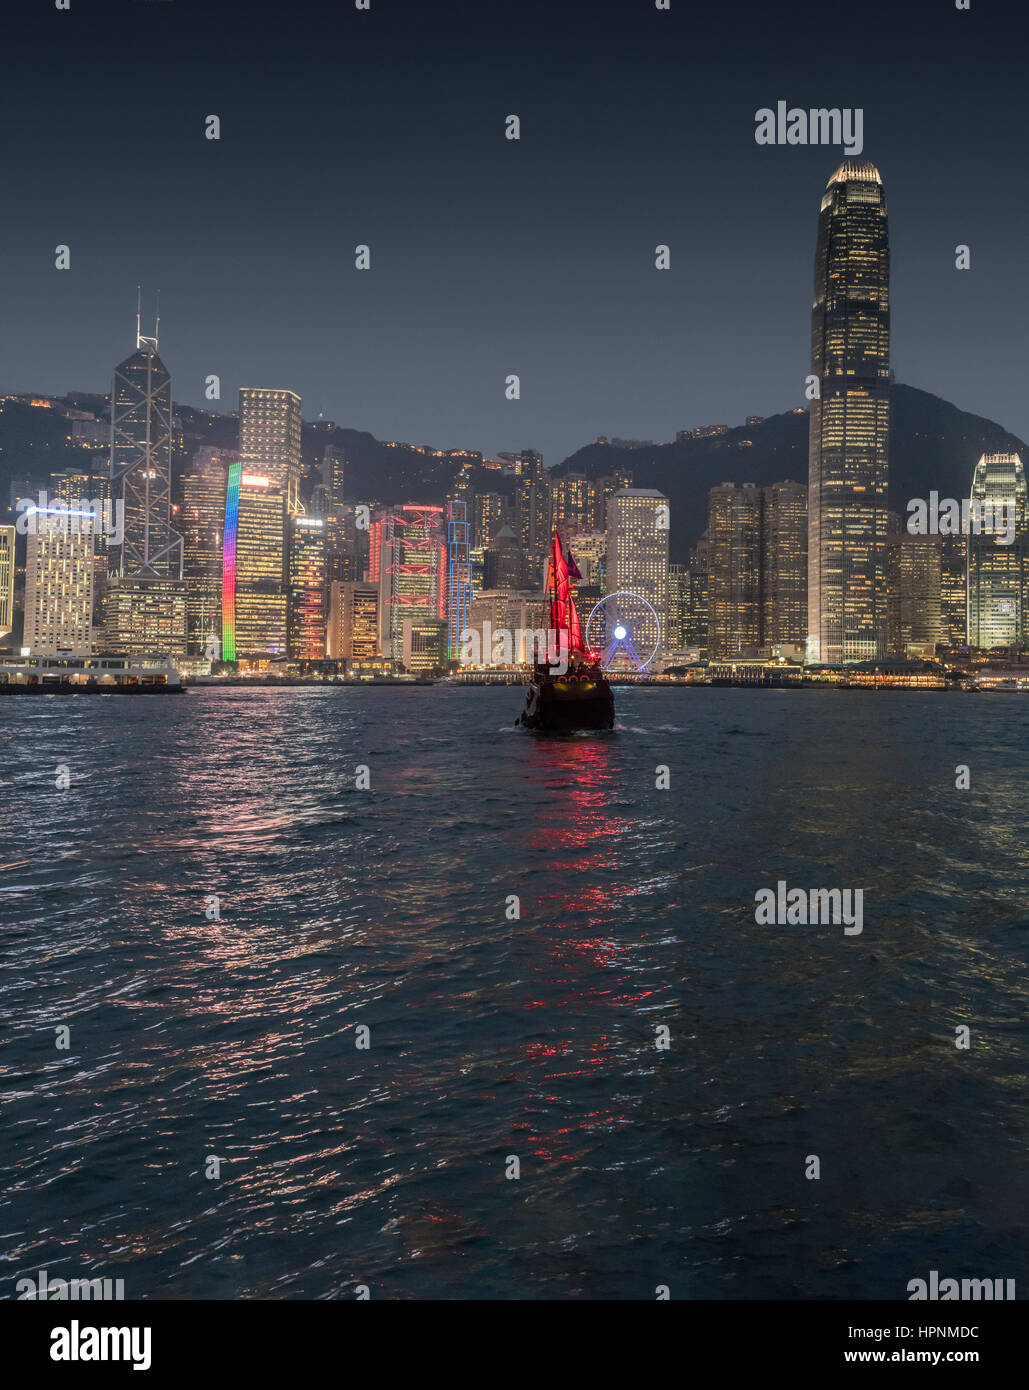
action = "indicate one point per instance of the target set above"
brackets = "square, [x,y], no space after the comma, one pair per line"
[228,1031]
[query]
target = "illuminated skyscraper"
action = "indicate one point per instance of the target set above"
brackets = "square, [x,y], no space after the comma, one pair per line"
[253,568]
[489,517]
[413,572]
[59,585]
[144,616]
[459,575]
[7,535]
[637,554]
[997,572]
[203,523]
[573,504]
[913,595]
[269,439]
[678,605]
[734,530]
[533,507]
[306,639]
[141,451]
[353,627]
[953,591]
[849,420]
[784,564]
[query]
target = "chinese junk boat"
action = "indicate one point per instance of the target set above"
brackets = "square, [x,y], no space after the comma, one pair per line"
[580,698]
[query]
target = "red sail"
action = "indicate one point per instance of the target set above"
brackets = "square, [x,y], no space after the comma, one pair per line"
[563,616]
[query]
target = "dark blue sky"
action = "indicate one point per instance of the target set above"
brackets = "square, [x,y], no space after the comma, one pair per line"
[489,256]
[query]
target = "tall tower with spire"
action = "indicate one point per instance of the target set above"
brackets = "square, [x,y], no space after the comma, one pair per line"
[144,602]
[850,420]
[141,444]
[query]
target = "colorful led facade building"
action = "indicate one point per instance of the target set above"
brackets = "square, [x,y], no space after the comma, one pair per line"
[229,534]
[254,596]
[202,522]
[997,553]
[849,420]
[307,585]
[413,572]
[459,576]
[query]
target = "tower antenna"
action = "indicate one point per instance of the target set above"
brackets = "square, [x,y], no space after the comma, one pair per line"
[139,311]
[157,319]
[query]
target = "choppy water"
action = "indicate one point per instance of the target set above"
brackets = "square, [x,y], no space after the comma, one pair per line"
[489,1037]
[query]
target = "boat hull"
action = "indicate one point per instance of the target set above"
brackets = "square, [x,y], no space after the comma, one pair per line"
[563,706]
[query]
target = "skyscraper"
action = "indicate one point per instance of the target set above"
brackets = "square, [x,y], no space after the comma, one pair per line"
[459,575]
[269,439]
[849,420]
[533,508]
[253,568]
[306,618]
[573,504]
[353,628]
[141,452]
[953,591]
[7,535]
[637,555]
[913,591]
[734,529]
[784,564]
[997,571]
[413,572]
[59,585]
[203,524]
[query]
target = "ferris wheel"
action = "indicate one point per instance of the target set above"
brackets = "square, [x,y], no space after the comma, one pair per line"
[625,629]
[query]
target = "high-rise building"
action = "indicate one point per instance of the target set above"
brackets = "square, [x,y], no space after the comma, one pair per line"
[678,605]
[140,464]
[488,508]
[756,555]
[59,577]
[637,556]
[254,597]
[270,439]
[696,623]
[504,562]
[459,575]
[307,588]
[424,644]
[533,509]
[953,591]
[735,533]
[7,536]
[784,565]
[573,504]
[202,521]
[913,590]
[412,570]
[849,420]
[604,489]
[145,616]
[353,628]
[997,553]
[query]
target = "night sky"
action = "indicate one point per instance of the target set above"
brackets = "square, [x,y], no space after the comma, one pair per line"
[491,256]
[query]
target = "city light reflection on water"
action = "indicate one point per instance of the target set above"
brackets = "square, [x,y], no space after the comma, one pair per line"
[491,1036]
